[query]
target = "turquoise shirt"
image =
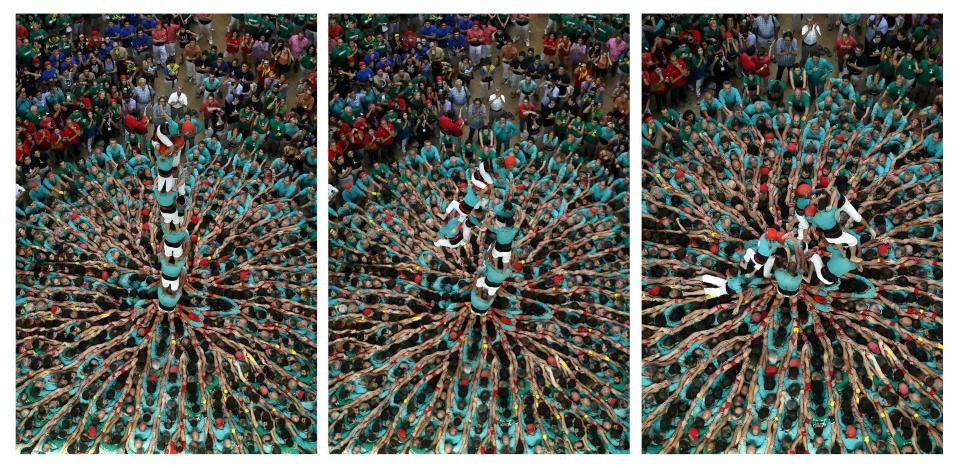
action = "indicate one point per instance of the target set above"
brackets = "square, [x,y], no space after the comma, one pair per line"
[786,281]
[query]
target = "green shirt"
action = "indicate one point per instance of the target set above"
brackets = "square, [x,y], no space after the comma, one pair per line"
[928,71]
[906,68]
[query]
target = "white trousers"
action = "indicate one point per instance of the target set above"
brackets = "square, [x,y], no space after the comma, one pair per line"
[446,242]
[818,267]
[845,239]
[173,285]
[848,208]
[166,184]
[719,286]
[802,225]
[482,283]
[455,205]
[750,258]
[174,218]
[175,252]
[505,256]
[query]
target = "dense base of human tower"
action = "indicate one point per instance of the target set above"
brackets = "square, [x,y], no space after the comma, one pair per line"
[478,322]
[793,234]
[166,222]
[479,239]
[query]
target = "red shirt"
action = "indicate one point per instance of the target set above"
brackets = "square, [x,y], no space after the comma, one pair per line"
[488,35]
[159,35]
[41,139]
[93,42]
[233,44]
[344,131]
[693,32]
[844,47]
[207,104]
[451,127]
[134,125]
[523,109]
[172,30]
[28,129]
[747,63]
[71,133]
[656,83]
[385,133]
[549,46]
[475,36]
[675,73]
[335,30]
[763,65]
[263,71]
[246,45]
[24,148]
[360,139]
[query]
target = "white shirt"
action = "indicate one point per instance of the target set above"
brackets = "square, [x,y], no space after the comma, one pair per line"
[813,37]
[20,190]
[331,191]
[177,100]
[497,101]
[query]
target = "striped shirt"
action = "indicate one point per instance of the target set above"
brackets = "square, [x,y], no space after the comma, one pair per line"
[766,26]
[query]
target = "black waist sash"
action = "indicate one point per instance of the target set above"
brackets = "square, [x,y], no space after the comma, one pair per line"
[833,233]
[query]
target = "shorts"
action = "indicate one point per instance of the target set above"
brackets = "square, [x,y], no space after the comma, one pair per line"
[845,238]
[719,286]
[476,312]
[482,283]
[456,241]
[824,275]
[174,218]
[166,184]
[173,284]
[455,205]
[175,252]
[501,255]
[786,293]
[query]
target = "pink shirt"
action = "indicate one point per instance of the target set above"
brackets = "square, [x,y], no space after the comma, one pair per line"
[298,42]
[616,47]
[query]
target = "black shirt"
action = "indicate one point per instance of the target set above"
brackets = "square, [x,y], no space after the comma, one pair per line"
[859,61]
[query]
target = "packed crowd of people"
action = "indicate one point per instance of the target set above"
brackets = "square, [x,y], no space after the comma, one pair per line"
[479,234]
[166,233]
[792,234]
